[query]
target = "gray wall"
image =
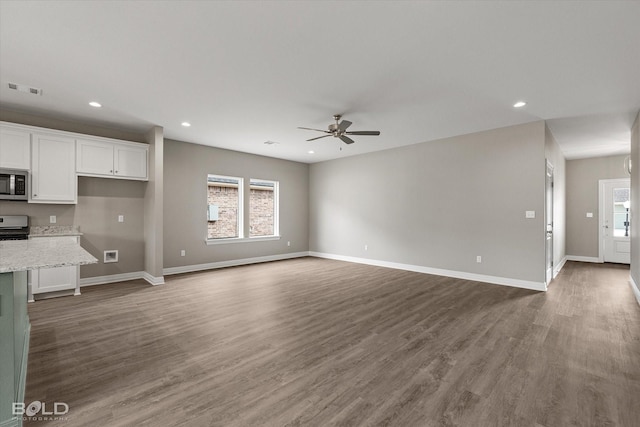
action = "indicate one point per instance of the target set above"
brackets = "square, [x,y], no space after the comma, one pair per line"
[186,167]
[439,204]
[556,158]
[635,202]
[100,201]
[582,197]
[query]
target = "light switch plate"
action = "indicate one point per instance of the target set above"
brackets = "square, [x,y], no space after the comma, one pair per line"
[589,214]
[530,214]
[120,218]
[52,219]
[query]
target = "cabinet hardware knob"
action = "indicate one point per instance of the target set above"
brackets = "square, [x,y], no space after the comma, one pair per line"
[111,171]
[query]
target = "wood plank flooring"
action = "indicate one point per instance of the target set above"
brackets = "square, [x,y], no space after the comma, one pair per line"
[315,342]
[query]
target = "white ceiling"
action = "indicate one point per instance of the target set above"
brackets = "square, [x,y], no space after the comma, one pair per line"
[248,72]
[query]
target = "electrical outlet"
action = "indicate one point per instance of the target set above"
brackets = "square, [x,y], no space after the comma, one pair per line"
[288,243]
[366,247]
[183,252]
[52,219]
[478,259]
[120,218]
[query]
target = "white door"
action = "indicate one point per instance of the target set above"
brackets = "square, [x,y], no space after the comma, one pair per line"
[615,225]
[549,222]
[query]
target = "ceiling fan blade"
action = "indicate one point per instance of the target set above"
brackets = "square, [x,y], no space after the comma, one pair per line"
[344,125]
[318,137]
[364,132]
[346,139]
[318,130]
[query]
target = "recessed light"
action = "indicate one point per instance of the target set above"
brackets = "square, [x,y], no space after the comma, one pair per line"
[186,124]
[311,152]
[95,104]
[519,104]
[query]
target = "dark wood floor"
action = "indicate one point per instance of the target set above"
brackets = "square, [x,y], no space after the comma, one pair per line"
[319,342]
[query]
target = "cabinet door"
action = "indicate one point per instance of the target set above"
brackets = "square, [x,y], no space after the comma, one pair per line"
[94,157]
[130,161]
[15,151]
[54,279]
[53,169]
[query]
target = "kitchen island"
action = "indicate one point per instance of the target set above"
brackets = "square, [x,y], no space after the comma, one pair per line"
[16,258]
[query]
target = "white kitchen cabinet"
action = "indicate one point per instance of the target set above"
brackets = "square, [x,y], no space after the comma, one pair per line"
[112,159]
[56,279]
[53,172]
[15,148]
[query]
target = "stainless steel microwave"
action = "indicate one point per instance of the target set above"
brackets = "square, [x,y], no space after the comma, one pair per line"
[14,184]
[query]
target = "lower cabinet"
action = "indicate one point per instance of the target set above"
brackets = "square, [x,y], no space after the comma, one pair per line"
[46,280]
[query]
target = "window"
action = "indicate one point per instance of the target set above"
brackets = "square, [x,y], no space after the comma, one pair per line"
[224,213]
[621,206]
[263,208]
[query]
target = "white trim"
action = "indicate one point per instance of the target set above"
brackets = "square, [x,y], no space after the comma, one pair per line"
[112,278]
[583,258]
[505,281]
[635,288]
[152,279]
[557,268]
[231,263]
[240,240]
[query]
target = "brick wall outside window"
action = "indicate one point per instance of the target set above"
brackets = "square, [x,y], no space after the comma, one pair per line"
[226,198]
[260,212]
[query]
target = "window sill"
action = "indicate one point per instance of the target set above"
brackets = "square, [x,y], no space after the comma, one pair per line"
[240,240]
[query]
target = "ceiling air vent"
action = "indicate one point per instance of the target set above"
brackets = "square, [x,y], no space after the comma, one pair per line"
[25,88]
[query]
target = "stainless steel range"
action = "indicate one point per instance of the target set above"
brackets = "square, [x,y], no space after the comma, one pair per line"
[14,227]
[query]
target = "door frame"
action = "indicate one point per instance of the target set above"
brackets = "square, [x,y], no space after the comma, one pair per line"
[549,175]
[601,207]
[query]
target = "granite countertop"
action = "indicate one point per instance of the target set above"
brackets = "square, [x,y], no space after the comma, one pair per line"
[53,231]
[20,255]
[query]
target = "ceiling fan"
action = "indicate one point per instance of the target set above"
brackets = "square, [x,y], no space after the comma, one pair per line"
[339,130]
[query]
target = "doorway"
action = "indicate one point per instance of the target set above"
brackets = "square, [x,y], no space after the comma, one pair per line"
[615,243]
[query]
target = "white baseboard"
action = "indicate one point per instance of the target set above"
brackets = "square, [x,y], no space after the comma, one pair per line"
[112,278]
[557,268]
[583,258]
[635,288]
[152,279]
[231,263]
[122,277]
[505,281]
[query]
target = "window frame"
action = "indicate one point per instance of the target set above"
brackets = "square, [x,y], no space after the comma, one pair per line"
[243,197]
[240,219]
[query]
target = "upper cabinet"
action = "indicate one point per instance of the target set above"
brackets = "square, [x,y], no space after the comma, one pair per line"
[15,148]
[112,159]
[56,158]
[53,174]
